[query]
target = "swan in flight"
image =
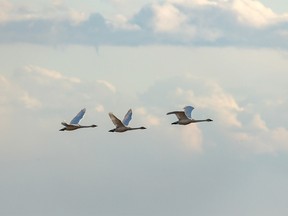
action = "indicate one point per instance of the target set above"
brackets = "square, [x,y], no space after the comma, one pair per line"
[184,117]
[122,126]
[74,124]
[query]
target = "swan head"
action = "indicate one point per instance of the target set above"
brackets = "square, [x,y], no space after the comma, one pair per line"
[93,125]
[142,128]
[209,120]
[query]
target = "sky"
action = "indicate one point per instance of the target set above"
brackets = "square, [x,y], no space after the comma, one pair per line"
[226,58]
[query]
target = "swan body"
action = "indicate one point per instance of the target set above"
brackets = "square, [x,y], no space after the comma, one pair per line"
[184,117]
[122,126]
[74,124]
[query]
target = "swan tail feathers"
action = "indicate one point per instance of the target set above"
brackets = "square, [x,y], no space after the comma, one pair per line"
[64,123]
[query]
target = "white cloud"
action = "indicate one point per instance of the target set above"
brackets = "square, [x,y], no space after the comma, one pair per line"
[272,141]
[42,74]
[148,118]
[280,135]
[122,22]
[192,138]
[35,87]
[261,138]
[11,12]
[30,102]
[193,3]
[11,93]
[210,101]
[108,85]
[167,18]
[216,22]
[225,104]
[254,135]
[253,13]
[77,17]
[100,108]
[195,22]
[216,99]
[259,123]
[6,8]
[244,127]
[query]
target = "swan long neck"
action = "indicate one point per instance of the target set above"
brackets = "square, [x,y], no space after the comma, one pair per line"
[136,128]
[88,126]
[202,120]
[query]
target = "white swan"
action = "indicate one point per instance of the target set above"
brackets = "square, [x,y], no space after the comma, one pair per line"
[74,124]
[184,117]
[122,126]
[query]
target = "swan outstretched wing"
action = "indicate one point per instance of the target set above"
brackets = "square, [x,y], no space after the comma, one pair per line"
[115,120]
[127,117]
[188,111]
[78,117]
[179,114]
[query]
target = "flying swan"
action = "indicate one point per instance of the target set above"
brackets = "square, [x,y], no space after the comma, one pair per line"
[184,117]
[122,126]
[74,124]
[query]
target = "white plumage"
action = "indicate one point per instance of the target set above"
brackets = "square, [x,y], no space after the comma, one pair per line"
[74,123]
[185,117]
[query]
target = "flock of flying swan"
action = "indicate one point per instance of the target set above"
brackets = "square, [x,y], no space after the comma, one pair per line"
[184,118]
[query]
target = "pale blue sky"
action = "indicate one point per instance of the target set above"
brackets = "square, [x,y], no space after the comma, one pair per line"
[228,59]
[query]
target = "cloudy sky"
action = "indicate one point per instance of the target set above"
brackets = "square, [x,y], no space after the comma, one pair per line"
[227,58]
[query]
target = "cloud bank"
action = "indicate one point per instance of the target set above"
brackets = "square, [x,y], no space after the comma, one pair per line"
[242,23]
